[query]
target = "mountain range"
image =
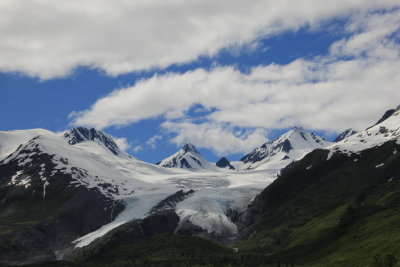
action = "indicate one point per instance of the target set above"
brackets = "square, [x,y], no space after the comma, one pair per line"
[76,195]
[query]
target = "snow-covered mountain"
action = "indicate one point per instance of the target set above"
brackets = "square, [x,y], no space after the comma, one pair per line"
[81,134]
[283,150]
[385,116]
[345,134]
[92,186]
[41,165]
[88,169]
[10,140]
[188,158]
[90,163]
[387,128]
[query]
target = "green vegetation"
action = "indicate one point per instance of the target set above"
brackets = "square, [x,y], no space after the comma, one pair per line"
[31,211]
[169,250]
[341,212]
[25,214]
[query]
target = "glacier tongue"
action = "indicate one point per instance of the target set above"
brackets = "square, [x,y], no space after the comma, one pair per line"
[208,208]
[137,207]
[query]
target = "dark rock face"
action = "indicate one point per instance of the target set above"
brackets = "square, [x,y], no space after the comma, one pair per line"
[254,156]
[266,150]
[184,163]
[286,146]
[190,148]
[188,228]
[197,161]
[233,214]
[171,201]
[81,134]
[345,134]
[223,163]
[385,116]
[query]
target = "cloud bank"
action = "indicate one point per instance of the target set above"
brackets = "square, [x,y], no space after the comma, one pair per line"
[220,138]
[48,39]
[349,87]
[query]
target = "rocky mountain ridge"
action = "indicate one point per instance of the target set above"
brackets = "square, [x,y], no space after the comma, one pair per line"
[83,190]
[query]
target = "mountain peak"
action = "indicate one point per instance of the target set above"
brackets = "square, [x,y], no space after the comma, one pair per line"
[298,129]
[385,116]
[387,128]
[187,158]
[346,133]
[189,148]
[82,134]
[288,146]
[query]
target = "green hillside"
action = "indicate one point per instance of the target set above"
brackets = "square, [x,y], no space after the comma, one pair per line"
[344,211]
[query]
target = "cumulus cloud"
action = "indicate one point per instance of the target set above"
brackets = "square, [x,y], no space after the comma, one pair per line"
[122,143]
[48,39]
[347,88]
[220,138]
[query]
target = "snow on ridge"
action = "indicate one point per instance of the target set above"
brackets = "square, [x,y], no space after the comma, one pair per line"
[10,140]
[142,185]
[379,165]
[188,158]
[345,134]
[19,179]
[388,129]
[91,165]
[80,134]
[279,152]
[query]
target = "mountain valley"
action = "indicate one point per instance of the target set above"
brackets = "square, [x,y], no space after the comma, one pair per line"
[299,199]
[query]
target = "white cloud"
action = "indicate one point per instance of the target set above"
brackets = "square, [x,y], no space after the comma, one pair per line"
[371,40]
[122,143]
[152,142]
[48,39]
[220,138]
[349,87]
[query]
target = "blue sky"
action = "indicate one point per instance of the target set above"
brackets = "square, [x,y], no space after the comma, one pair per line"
[226,90]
